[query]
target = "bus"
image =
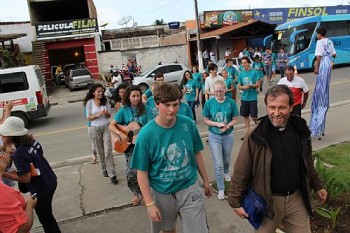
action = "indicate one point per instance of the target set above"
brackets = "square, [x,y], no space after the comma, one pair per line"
[298,38]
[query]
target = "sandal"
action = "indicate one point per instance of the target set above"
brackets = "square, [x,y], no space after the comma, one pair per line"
[136,200]
[94,160]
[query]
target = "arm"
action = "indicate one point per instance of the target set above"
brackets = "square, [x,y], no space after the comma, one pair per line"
[114,127]
[305,97]
[31,203]
[25,178]
[203,174]
[213,123]
[318,60]
[234,93]
[197,93]
[153,212]
[144,98]
[7,111]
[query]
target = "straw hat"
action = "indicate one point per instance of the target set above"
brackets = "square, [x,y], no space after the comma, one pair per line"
[13,126]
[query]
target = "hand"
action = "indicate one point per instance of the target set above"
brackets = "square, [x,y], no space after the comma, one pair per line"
[8,106]
[303,105]
[3,163]
[31,201]
[322,195]
[316,71]
[226,127]
[220,125]
[241,212]
[208,190]
[154,213]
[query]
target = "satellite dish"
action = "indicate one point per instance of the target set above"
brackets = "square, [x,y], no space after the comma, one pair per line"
[135,25]
[124,20]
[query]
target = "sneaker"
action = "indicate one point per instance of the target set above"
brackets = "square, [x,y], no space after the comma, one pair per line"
[221,195]
[227,177]
[114,180]
[105,173]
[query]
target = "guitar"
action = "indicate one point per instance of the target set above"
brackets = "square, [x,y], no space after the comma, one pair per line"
[127,137]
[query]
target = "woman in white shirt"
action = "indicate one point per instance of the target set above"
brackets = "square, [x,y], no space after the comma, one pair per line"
[98,111]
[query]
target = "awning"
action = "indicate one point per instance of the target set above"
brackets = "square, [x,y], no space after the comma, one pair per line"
[231,28]
[7,37]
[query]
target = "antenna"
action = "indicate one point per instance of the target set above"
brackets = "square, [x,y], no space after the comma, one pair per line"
[104,25]
[124,20]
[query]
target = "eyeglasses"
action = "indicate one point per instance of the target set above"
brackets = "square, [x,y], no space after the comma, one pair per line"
[219,91]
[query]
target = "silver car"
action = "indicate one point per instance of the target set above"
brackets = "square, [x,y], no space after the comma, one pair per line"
[173,74]
[78,78]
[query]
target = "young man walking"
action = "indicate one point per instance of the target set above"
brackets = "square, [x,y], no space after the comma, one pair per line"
[167,157]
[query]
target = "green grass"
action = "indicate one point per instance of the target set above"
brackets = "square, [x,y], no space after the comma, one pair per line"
[227,185]
[339,157]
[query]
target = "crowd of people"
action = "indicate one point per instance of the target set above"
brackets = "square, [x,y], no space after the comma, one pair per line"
[157,132]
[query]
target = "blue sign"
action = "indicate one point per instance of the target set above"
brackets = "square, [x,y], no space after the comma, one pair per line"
[283,15]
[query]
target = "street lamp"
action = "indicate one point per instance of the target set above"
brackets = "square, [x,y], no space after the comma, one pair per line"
[199,47]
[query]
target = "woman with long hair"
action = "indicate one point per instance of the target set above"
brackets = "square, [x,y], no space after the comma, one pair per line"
[133,110]
[325,53]
[191,91]
[33,171]
[98,111]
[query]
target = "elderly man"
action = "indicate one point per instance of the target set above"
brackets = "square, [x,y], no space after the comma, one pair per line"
[299,88]
[275,160]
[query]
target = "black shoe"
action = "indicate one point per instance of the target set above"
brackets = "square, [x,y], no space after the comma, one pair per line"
[114,180]
[105,174]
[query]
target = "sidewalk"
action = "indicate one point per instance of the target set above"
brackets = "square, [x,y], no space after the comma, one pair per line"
[85,201]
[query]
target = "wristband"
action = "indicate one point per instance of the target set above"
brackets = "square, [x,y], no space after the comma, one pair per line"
[150,204]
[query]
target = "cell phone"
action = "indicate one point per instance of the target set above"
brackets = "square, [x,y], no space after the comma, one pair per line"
[33,195]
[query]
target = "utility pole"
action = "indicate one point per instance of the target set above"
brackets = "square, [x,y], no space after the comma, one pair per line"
[199,46]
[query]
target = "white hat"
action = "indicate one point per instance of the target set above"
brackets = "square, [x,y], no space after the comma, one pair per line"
[13,126]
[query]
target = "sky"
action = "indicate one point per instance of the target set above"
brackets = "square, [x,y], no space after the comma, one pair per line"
[145,12]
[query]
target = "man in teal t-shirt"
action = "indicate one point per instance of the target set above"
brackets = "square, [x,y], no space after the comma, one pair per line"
[158,77]
[248,82]
[167,157]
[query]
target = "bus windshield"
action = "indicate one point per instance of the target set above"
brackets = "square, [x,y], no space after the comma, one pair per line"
[281,39]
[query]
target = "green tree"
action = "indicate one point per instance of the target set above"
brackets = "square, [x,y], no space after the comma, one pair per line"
[159,22]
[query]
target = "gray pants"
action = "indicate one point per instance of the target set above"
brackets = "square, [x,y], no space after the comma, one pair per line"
[188,204]
[101,138]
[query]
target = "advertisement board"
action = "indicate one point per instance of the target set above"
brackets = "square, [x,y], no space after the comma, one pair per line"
[66,27]
[213,19]
[282,15]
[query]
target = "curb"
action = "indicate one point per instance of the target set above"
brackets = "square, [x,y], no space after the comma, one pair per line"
[203,135]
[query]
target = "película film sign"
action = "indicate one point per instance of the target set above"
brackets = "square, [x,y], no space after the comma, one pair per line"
[66,27]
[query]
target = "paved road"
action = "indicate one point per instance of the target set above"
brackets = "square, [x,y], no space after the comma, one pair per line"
[64,135]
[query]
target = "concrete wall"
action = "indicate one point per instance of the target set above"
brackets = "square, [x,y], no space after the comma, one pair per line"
[24,43]
[146,58]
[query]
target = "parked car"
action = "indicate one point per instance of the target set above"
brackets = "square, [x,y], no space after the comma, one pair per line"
[78,78]
[25,87]
[236,63]
[172,74]
[68,67]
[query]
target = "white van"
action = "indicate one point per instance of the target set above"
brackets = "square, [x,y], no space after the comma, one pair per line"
[25,87]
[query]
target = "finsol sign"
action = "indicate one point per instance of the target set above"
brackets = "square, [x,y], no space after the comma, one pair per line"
[66,27]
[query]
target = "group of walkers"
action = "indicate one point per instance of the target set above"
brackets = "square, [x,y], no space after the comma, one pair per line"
[163,148]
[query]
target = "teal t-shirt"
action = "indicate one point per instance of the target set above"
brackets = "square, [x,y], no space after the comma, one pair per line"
[185,110]
[248,77]
[152,106]
[168,154]
[148,93]
[191,87]
[127,114]
[258,66]
[229,82]
[274,58]
[220,112]
[232,72]
[198,78]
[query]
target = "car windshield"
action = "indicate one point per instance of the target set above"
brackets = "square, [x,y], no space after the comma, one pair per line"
[144,73]
[221,63]
[80,72]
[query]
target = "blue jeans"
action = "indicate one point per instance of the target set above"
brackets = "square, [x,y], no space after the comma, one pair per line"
[221,148]
[192,105]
